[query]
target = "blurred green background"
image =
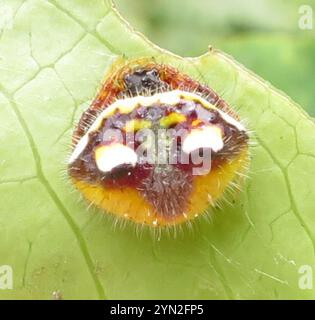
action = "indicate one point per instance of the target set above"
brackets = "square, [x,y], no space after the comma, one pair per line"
[264,35]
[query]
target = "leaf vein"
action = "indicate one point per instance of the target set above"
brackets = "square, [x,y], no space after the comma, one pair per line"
[53,195]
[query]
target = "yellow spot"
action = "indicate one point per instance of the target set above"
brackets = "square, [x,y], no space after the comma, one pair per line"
[196,122]
[136,124]
[171,119]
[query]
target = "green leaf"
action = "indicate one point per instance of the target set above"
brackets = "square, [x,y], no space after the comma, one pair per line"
[52,62]
[293,56]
